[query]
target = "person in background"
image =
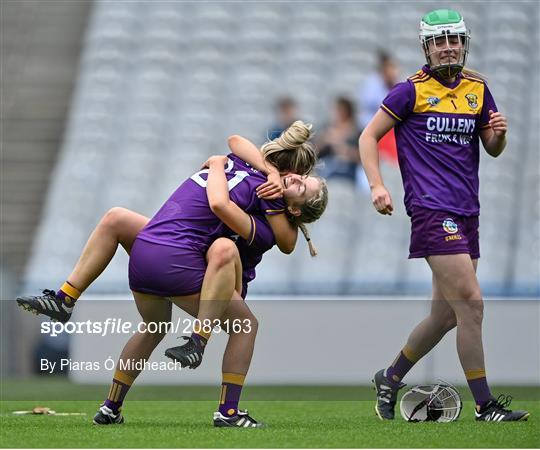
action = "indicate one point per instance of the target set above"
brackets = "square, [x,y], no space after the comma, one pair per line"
[337,144]
[374,89]
[286,110]
[370,96]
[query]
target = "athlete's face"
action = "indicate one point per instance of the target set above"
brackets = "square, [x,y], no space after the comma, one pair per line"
[299,189]
[445,49]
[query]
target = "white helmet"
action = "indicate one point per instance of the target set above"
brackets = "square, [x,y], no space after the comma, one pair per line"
[431,403]
[449,24]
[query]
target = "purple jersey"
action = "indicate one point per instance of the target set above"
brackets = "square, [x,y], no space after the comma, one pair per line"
[251,251]
[437,137]
[186,220]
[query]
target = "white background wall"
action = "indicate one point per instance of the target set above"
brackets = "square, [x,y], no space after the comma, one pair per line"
[336,341]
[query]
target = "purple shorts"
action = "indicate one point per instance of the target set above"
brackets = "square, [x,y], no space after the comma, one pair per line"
[164,270]
[443,233]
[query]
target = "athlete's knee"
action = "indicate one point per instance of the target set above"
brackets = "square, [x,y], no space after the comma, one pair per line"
[155,334]
[243,323]
[253,324]
[222,252]
[471,311]
[471,294]
[446,321]
[112,220]
[476,310]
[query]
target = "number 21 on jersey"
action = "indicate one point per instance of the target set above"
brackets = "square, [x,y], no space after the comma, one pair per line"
[239,175]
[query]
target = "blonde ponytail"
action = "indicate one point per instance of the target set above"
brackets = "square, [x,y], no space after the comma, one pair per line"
[311,211]
[305,232]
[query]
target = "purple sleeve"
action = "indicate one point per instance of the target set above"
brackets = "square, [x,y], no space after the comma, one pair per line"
[272,207]
[399,102]
[487,105]
[261,235]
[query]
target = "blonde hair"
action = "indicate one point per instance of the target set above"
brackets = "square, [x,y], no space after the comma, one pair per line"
[473,74]
[291,151]
[311,211]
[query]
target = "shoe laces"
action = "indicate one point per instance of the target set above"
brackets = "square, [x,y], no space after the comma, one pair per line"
[191,346]
[503,401]
[48,293]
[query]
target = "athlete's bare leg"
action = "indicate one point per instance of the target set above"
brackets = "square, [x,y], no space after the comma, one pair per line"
[240,346]
[441,320]
[121,226]
[153,310]
[456,279]
[432,329]
[117,226]
[456,301]
[223,275]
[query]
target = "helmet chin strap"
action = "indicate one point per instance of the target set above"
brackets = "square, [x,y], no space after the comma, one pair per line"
[448,71]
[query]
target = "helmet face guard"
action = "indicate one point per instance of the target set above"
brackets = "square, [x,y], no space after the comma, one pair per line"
[445,41]
[431,403]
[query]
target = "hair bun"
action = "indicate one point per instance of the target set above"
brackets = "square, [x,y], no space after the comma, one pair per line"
[294,136]
[292,151]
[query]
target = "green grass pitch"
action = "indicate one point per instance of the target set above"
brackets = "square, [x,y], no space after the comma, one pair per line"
[318,417]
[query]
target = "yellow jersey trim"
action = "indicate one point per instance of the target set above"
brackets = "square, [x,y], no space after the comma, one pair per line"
[419,74]
[389,111]
[253,230]
[433,97]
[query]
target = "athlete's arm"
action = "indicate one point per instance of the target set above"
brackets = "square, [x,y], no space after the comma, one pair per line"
[284,231]
[237,219]
[248,151]
[494,137]
[381,124]
[220,202]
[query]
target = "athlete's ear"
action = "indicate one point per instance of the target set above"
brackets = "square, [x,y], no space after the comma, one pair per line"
[295,211]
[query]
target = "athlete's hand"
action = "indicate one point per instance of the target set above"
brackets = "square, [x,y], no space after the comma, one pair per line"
[272,189]
[381,200]
[216,159]
[497,122]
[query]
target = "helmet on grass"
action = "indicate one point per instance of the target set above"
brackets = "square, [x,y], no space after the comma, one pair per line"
[431,403]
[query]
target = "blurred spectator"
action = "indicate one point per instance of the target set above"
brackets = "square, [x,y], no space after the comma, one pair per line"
[370,96]
[337,144]
[376,86]
[286,110]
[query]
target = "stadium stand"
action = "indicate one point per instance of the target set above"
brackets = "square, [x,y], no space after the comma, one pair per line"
[162,85]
